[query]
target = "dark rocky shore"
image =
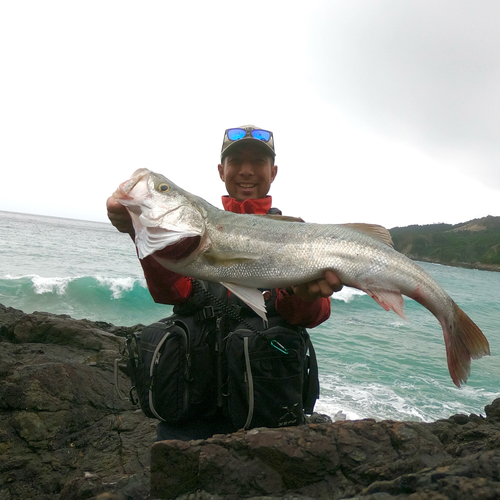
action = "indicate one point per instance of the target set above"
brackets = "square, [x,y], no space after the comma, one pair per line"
[66,435]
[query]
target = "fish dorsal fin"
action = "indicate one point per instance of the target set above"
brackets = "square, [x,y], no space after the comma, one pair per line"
[374,230]
[284,218]
[229,258]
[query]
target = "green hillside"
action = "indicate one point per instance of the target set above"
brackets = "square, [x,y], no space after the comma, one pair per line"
[474,244]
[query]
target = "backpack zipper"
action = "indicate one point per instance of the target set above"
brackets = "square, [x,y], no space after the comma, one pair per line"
[218,350]
[152,371]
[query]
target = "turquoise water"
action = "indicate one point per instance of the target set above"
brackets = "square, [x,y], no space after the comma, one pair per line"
[372,363]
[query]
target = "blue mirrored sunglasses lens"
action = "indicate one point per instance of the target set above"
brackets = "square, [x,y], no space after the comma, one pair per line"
[235,134]
[262,135]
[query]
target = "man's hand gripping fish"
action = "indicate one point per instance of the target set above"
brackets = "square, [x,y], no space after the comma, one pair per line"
[246,252]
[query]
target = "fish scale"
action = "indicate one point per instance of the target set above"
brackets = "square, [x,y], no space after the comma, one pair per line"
[250,252]
[288,245]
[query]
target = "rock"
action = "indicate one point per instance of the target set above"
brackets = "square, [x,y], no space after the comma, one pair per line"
[66,435]
[319,460]
[493,411]
[457,458]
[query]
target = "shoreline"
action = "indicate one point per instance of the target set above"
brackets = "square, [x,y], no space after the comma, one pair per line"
[478,266]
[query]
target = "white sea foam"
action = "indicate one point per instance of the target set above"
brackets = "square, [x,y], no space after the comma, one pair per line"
[50,285]
[347,294]
[18,277]
[59,286]
[119,286]
[372,400]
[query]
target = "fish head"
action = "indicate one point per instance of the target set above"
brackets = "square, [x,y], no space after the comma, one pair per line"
[162,213]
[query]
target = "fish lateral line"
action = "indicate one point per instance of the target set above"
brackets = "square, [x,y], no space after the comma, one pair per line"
[230,258]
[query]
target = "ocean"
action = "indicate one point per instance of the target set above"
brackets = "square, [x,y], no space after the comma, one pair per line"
[372,363]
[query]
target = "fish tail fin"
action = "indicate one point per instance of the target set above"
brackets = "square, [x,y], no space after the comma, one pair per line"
[463,340]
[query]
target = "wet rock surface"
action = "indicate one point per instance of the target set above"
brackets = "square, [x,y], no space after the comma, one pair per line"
[65,434]
[457,458]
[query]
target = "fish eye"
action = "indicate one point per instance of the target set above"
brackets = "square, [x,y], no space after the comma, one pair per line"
[163,187]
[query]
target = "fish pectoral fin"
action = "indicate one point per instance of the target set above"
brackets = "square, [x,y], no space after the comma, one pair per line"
[229,258]
[374,230]
[250,296]
[389,299]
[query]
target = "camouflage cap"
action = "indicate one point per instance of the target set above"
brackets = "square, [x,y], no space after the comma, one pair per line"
[247,133]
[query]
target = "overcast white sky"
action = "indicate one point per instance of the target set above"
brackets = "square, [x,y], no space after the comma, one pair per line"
[383,111]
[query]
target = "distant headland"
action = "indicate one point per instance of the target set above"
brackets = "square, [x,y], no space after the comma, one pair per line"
[474,244]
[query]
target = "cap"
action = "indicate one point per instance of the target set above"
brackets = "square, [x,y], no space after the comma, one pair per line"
[249,136]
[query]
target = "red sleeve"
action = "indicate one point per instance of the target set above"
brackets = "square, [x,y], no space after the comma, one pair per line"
[296,311]
[166,287]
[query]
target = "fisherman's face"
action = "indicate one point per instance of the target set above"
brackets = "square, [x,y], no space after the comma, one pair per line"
[247,172]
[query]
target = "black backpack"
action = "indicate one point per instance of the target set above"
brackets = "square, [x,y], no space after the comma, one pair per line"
[272,377]
[206,358]
[165,364]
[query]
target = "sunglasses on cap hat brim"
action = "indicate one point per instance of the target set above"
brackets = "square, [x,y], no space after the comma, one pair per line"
[236,134]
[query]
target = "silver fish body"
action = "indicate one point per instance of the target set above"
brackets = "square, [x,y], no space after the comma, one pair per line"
[249,251]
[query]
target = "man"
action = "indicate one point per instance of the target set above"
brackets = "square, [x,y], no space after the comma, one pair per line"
[247,169]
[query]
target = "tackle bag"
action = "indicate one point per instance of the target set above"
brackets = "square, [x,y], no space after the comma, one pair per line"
[171,366]
[217,358]
[272,377]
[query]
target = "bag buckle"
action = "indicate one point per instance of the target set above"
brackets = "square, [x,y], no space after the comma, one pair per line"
[208,312]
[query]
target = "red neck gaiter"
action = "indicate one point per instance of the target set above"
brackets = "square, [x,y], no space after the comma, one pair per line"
[257,206]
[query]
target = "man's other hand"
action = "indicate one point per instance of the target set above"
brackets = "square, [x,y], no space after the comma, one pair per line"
[316,289]
[119,216]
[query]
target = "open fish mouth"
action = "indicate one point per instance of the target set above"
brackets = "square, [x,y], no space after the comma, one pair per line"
[124,189]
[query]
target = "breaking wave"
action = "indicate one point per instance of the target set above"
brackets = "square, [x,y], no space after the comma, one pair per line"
[122,301]
[347,294]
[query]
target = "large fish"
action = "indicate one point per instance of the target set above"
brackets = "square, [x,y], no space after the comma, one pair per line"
[246,252]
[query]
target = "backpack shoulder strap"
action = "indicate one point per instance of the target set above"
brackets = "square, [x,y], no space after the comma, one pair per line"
[313,381]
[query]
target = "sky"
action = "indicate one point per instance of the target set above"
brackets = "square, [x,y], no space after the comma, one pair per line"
[383,112]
